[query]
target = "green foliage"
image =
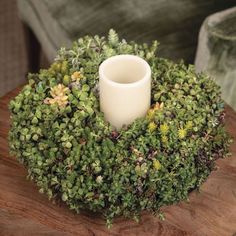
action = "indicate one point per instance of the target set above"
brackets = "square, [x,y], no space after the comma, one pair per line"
[73,154]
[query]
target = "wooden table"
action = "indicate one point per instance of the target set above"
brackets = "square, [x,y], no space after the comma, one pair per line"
[24,211]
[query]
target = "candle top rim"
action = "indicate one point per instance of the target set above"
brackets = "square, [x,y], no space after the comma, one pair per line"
[146,77]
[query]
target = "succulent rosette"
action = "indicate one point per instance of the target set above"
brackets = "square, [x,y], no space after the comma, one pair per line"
[73,154]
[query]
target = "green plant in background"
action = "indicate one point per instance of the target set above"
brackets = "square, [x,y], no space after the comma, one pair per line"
[73,154]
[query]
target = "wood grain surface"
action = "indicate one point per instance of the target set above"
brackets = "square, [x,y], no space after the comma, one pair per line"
[24,211]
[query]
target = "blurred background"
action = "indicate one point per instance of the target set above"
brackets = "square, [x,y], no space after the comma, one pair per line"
[201,32]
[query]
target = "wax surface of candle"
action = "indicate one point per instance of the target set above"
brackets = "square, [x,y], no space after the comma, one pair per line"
[125,89]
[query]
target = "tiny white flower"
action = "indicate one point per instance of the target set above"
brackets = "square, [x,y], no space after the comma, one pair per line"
[99,179]
[214,122]
[140,159]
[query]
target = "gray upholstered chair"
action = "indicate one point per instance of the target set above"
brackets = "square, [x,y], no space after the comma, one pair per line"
[52,24]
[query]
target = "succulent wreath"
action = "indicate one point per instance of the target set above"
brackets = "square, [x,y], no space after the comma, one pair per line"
[72,153]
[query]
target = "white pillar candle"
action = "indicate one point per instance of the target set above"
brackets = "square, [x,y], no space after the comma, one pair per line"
[125,89]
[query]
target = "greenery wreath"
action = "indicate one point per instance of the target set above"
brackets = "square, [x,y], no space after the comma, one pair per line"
[72,153]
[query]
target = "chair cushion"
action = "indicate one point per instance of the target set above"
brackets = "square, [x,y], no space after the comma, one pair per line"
[174,23]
